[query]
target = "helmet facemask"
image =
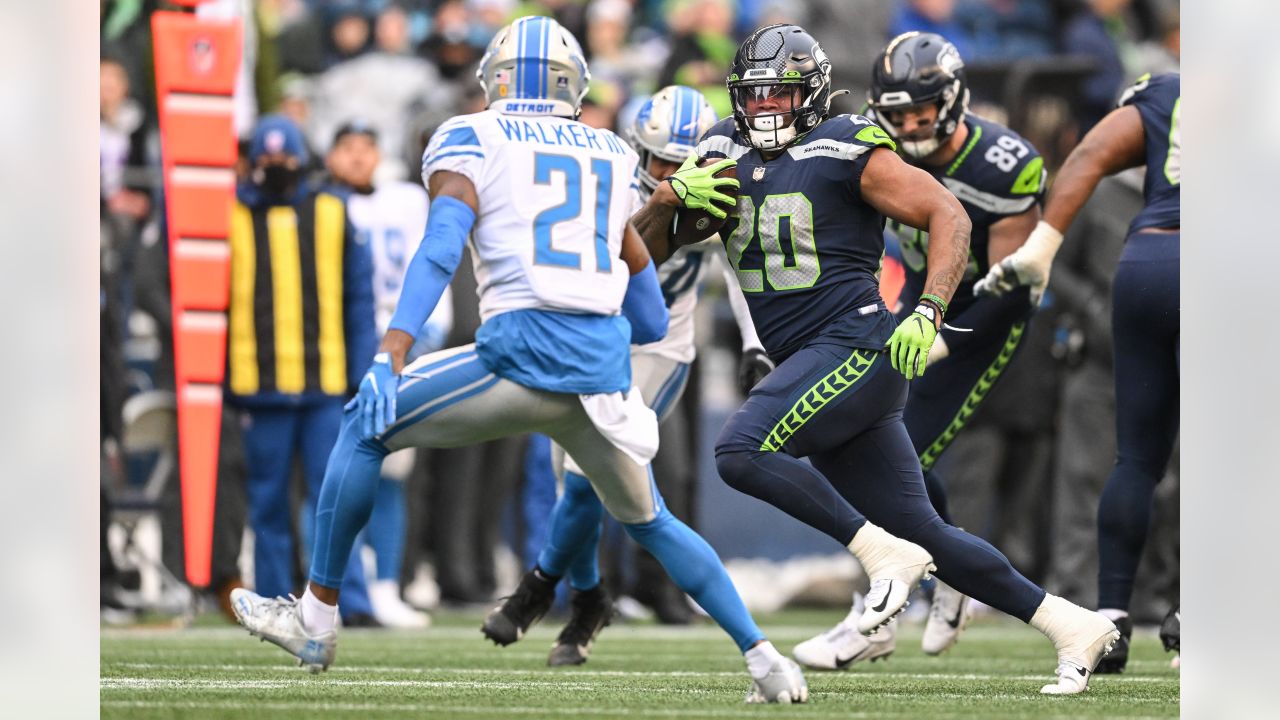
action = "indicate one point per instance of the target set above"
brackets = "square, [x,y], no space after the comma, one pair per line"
[951,104]
[779,62]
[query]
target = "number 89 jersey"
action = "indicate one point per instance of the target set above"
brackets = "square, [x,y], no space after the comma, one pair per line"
[805,246]
[996,175]
[555,196]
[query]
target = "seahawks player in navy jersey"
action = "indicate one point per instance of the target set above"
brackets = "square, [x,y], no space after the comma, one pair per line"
[1144,130]
[919,95]
[806,243]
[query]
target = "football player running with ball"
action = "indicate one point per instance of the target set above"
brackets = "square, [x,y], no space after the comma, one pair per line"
[566,285]
[920,97]
[806,243]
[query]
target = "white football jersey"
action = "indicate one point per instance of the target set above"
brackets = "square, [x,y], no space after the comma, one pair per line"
[555,196]
[680,277]
[392,220]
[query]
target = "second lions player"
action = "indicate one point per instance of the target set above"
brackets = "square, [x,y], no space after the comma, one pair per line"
[565,286]
[806,243]
[920,96]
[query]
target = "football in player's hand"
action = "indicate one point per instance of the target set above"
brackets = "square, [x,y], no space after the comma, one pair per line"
[690,225]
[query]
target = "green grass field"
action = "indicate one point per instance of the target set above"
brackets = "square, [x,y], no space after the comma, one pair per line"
[636,671]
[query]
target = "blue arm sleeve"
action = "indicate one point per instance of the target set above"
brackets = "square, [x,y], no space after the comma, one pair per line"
[433,265]
[359,323]
[644,307]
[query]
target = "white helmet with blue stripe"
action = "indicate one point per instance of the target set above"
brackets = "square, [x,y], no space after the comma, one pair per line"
[534,67]
[669,125]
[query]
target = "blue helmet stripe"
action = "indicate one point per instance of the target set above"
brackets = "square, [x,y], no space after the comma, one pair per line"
[675,117]
[529,83]
[544,50]
[685,116]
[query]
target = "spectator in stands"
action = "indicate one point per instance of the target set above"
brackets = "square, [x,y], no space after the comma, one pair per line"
[931,16]
[1094,28]
[300,333]
[452,46]
[386,86]
[702,49]
[122,139]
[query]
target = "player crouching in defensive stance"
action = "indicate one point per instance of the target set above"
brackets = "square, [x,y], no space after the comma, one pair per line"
[566,286]
[664,132]
[842,360]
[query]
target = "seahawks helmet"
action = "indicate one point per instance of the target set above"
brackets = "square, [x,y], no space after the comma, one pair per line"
[775,59]
[916,69]
[534,67]
[668,125]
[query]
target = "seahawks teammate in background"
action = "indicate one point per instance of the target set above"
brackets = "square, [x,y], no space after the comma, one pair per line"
[920,97]
[1144,130]
[806,244]
[565,285]
[664,133]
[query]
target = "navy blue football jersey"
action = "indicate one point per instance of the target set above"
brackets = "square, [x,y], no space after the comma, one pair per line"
[1159,101]
[805,246]
[997,174]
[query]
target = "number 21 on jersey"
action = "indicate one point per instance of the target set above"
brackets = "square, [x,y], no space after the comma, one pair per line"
[544,165]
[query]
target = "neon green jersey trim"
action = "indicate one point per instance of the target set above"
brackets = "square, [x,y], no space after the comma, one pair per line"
[1028,182]
[977,134]
[874,135]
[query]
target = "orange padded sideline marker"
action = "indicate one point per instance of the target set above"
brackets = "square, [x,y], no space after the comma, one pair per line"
[196,62]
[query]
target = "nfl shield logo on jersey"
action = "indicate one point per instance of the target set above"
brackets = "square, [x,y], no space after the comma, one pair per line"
[758,174]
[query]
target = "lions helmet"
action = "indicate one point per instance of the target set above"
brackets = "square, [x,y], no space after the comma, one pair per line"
[777,59]
[534,67]
[917,69]
[668,125]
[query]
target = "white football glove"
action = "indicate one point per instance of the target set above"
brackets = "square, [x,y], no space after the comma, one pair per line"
[1028,265]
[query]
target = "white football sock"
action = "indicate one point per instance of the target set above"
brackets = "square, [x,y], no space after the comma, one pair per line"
[1113,614]
[317,616]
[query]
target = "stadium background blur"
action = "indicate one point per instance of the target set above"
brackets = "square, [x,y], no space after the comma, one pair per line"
[1025,474]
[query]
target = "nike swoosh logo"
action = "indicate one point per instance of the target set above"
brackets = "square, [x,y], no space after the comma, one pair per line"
[1083,673]
[841,662]
[884,602]
[955,621]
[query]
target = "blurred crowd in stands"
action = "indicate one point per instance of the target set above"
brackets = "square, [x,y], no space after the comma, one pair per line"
[1026,474]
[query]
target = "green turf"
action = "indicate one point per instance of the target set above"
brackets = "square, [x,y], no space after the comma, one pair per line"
[636,671]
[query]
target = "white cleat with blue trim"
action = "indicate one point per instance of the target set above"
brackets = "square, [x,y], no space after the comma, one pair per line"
[279,621]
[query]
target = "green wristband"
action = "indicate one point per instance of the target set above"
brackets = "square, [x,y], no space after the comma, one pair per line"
[942,304]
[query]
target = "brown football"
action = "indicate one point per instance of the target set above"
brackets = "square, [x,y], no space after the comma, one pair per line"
[691,226]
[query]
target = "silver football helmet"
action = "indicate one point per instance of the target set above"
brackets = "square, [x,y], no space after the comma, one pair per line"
[669,125]
[534,67]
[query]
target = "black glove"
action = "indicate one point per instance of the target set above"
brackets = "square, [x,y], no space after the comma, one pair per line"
[755,364]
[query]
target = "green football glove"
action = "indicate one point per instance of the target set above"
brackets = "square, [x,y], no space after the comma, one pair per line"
[699,189]
[910,343]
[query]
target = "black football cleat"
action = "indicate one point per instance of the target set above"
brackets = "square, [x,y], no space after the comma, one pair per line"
[1171,630]
[1115,661]
[509,621]
[590,611]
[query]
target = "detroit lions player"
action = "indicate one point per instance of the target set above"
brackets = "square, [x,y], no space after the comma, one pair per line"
[389,218]
[565,286]
[663,133]
[919,95]
[806,243]
[1144,130]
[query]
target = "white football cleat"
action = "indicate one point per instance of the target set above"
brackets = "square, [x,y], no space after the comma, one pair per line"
[842,646]
[895,566]
[279,621]
[784,684]
[1082,637]
[948,615]
[390,610]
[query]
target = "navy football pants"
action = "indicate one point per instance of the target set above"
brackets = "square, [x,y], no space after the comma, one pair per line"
[1144,326]
[842,408]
